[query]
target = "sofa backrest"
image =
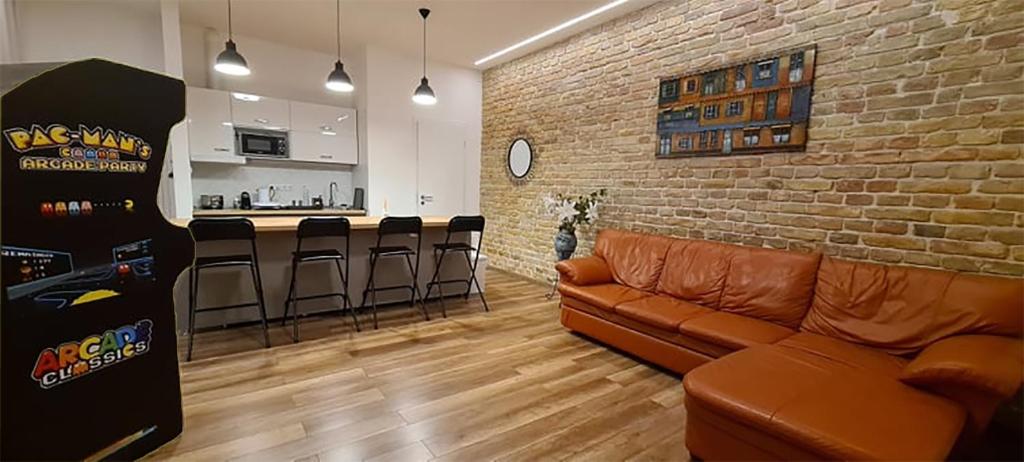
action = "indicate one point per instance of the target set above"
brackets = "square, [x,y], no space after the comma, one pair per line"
[902,310]
[769,284]
[695,271]
[635,259]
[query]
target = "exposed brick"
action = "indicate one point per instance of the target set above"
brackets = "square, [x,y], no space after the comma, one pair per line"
[895,242]
[924,230]
[976,249]
[1010,170]
[935,186]
[898,214]
[962,217]
[931,201]
[891,227]
[1008,236]
[881,186]
[914,152]
[1002,187]
[973,202]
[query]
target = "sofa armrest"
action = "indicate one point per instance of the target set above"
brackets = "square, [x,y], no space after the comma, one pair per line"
[988,364]
[585,271]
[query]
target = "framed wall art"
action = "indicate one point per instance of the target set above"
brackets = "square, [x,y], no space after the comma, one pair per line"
[756,106]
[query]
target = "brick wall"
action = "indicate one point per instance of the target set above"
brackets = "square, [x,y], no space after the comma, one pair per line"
[914,152]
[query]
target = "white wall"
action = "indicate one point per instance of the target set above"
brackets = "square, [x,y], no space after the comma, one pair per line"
[391,126]
[67,30]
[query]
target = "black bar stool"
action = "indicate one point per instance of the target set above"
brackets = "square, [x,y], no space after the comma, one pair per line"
[389,226]
[458,224]
[317,227]
[223,229]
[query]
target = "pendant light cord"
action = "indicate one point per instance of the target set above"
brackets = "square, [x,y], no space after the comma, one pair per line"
[338,25]
[229,21]
[424,47]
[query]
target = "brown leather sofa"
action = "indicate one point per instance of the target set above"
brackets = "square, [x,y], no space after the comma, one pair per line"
[793,355]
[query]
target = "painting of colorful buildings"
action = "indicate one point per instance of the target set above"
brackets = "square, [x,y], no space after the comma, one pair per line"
[755,107]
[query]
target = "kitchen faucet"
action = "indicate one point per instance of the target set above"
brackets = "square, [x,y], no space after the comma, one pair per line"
[330,194]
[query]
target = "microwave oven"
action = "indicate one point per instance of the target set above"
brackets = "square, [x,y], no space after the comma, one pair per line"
[255,142]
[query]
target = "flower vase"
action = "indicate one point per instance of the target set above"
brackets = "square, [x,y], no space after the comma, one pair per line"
[565,244]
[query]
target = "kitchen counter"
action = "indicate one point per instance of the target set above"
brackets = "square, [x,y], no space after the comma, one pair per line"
[278,213]
[279,224]
[275,241]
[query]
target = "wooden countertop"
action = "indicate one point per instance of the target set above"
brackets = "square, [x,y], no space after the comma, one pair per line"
[277,213]
[278,224]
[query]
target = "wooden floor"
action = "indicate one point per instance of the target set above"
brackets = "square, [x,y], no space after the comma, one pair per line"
[511,384]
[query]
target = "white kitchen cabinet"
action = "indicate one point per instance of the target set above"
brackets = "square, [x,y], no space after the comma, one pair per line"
[323,134]
[211,137]
[259,111]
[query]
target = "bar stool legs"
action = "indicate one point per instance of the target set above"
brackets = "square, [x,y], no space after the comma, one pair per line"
[193,289]
[292,301]
[372,289]
[258,284]
[470,282]
[475,281]
[193,304]
[438,258]
[346,301]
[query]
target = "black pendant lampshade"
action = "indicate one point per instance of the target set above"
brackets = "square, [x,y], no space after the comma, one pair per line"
[338,79]
[424,94]
[230,61]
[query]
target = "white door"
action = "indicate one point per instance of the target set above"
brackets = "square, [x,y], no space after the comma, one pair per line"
[441,172]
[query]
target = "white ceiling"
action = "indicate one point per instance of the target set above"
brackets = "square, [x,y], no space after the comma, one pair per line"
[459,31]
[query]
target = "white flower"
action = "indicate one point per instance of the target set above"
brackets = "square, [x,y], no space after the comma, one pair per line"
[592,211]
[566,210]
[550,203]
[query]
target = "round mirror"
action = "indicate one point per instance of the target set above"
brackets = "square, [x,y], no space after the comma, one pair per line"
[520,158]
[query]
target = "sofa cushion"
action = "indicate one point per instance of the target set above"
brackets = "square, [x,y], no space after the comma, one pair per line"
[604,296]
[635,259]
[695,271]
[768,284]
[661,311]
[823,407]
[706,349]
[733,331]
[584,271]
[901,309]
[851,355]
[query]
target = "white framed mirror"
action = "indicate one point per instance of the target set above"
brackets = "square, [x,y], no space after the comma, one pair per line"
[520,158]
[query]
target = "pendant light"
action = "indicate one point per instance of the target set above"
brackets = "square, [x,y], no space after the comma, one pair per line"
[424,94]
[230,61]
[338,80]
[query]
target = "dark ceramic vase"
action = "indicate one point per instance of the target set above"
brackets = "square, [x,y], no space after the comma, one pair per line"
[565,244]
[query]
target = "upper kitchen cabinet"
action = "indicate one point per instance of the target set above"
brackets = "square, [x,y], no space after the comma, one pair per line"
[323,134]
[259,111]
[211,137]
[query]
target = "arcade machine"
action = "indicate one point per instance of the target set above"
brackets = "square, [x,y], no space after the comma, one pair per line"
[89,364]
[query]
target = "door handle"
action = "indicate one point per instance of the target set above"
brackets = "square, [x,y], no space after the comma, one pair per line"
[261,120]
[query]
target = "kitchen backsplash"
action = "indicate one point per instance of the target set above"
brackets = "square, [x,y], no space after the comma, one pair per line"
[231,180]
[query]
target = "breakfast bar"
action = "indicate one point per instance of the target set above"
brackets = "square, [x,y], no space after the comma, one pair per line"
[275,242]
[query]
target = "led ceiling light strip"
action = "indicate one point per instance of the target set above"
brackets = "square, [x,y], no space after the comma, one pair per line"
[569,23]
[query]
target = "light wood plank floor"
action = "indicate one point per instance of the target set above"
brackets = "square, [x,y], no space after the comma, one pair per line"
[511,384]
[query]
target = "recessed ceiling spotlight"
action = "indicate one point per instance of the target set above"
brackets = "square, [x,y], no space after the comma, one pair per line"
[550,31]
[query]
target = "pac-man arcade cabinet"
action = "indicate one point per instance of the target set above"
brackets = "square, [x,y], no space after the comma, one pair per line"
[89,364]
